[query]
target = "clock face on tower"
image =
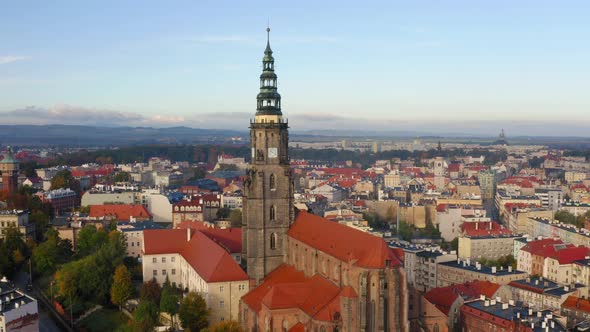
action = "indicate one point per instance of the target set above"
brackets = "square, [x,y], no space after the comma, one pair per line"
[272,152]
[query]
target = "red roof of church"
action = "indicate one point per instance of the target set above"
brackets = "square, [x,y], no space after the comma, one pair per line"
[211,261]
[444,297]
[343,242]
[121,212]
[286,287]
[483,228]
[299,327]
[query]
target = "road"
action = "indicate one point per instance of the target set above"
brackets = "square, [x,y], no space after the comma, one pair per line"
[46,322]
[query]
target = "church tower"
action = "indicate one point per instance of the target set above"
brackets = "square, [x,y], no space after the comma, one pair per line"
[9,170]
[268,190]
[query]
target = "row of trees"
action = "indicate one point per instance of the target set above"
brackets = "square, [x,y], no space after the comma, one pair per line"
[569,218]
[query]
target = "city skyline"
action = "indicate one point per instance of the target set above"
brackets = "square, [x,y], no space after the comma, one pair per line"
[458,68]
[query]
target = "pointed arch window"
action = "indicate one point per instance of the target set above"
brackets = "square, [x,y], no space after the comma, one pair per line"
[273,241]
[272,182]
[273,213]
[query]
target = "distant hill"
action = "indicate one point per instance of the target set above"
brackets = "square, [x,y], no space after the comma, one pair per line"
[72,135]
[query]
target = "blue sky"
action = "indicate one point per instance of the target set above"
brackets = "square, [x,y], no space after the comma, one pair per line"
[432,66]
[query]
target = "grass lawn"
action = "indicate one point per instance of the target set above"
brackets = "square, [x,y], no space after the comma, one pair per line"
[104,320]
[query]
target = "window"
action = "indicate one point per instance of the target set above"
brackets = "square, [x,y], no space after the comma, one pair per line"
[272,213]
[273,241]
[221,304]
[138,243]
[133,244]
[172,259]
[221,288]
[241,287]
[154,260]
[173,271]
[163,272]
[272,182]
[155,273]
[163,259]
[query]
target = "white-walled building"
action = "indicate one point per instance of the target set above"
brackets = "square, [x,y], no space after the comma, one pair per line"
[193,261]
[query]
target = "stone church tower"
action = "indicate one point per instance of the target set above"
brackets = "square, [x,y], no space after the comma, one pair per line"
[268,190]
[9,170]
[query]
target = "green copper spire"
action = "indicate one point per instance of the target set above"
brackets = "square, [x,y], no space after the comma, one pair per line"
[268,100]
[8,157]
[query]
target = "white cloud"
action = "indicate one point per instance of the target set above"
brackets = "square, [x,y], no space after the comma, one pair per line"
[5,59]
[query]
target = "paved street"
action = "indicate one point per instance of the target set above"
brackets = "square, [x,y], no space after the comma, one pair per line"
[46,323]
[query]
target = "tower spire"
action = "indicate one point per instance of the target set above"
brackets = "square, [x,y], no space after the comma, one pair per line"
[268,100]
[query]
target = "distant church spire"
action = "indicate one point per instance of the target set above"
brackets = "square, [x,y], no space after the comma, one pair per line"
[268,100]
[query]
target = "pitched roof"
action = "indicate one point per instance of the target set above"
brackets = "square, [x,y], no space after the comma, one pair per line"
[342,242]
[229,238]
[483,228]
[444,297]
[299,327]
[565,253]
[287,287]
[576,303]
[121,212]
[211,261]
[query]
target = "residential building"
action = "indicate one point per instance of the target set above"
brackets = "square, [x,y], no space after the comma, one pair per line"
[60,199]
[18,311]
[120,212]
[95,197]
[540,293]
[461,271]
[577,310]
[440,307]
[195,262]
[134,235]
[485,239]
[18,219]
[551,198]
[485,314]
[426,268]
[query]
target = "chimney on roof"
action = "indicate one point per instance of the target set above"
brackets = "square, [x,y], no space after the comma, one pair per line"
[511,302]
[492,302]
[504,306]
[493,269]
[482,297]
[476,226]
[530,312]
[539,314]
[486,303]
[490,225]
[510,268]
[518,314]
[188,233]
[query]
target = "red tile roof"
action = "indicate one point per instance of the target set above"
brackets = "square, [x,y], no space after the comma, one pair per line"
[564,253]
[229,238]
[342,242]
[212,262]
[121,212]
[299,327]
[444,297]
[286,287]
[577,304]
[483,228]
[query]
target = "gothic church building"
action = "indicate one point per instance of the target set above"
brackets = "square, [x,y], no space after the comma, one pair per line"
[307,273]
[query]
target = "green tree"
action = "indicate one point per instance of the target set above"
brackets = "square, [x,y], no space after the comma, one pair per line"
[223,213]
[193,312]
[122,177]
[122,288]
[227,326]
[235,217]
[455,244]
[90,240]
[46,256]
[405,231]
[150,290]
[145,316]
[169,300]
[63,180]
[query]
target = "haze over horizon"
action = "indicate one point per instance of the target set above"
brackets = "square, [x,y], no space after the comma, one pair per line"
[424,66]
